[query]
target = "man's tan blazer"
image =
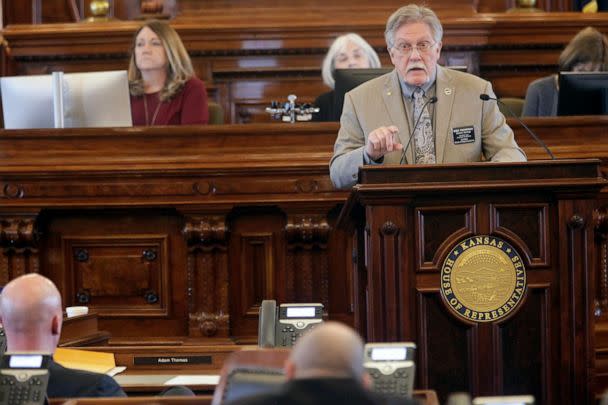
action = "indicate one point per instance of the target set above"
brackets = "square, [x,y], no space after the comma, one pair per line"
[466,128]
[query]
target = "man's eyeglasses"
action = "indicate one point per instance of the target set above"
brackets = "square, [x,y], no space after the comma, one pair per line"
[421,47]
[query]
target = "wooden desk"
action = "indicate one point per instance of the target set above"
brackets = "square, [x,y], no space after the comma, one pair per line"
[82,331]
[148,400]
[174,235]
[426,397]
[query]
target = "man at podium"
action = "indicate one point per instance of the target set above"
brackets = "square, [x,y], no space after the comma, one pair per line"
[420,112]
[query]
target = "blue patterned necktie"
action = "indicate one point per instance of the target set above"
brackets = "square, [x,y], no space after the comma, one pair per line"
[423,134]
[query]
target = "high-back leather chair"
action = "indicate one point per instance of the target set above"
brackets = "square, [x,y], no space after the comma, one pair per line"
[250,372]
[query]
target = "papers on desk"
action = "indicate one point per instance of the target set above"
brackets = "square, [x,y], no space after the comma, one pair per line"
[193,380]
[97,362]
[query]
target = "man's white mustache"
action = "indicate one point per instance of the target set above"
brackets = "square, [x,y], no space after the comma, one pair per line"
[416,66]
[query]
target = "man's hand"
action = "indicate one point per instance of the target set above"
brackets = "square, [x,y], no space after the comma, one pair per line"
[382,141]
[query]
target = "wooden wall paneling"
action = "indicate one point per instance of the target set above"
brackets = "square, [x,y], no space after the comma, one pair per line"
[576,245]
[341,262]
[458,222]
[256,262]
[250,97]
[208,287]
[527,373]
[388,231]
[307,257]
[130,9]
[447,344]
[601,232]
[124,265]
[16,12]
[527,221]
[94,264]
[19,236]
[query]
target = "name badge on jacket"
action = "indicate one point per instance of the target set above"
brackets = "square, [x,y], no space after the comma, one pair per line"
[463,135]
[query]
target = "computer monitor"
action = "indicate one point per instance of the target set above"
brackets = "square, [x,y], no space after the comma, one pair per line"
[27,102]
[92,99]
[583,93]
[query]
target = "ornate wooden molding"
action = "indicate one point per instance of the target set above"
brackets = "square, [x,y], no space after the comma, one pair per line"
[308,229]
[210,324]
[207,275]
[18,231]
[18,241]
[600,220]
[205,230]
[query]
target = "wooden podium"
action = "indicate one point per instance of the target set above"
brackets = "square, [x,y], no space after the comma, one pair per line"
[407,219]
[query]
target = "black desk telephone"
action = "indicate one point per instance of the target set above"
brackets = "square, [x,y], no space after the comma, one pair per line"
[391,366]
[24,378]
[282,326]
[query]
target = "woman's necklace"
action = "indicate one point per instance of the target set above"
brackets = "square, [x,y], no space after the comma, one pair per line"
[149,123]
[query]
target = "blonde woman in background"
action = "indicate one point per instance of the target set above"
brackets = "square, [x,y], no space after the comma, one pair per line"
[164,89]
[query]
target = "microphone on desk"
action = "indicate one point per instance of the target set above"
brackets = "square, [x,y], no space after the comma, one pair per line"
[486,97]
[431,100]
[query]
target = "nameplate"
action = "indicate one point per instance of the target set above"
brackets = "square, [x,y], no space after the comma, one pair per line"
[170,360]
[463,135]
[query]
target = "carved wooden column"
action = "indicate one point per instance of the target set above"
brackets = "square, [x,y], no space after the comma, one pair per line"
[307,262]
[207,277]
[18,241]
[601,233]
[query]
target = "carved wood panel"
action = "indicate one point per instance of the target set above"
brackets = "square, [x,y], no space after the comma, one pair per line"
[118,275]
[527,224]
[19,246]
[208,294]
[124,264]
[256,262]
[439,227]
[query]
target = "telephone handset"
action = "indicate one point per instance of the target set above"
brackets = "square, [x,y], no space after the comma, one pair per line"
[24,378]
[282,326]
[392,367]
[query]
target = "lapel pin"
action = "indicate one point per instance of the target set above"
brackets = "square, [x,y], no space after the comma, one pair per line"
[447,91]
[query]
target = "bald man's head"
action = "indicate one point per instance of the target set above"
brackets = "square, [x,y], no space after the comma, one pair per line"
[31,313]
[331,349]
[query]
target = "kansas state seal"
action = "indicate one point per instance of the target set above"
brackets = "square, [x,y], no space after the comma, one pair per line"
[483,279]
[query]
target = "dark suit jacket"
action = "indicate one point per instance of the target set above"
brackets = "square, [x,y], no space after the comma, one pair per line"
[321,391]
[71,383]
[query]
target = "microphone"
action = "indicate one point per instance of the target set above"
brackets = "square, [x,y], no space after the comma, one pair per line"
[431,100]
[539,141]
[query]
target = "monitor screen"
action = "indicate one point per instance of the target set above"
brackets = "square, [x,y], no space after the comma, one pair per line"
[583,93]
[300,312]
[25,361]
[92,99]
[389,353]
[27,102]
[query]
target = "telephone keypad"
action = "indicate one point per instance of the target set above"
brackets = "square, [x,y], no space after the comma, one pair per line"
[393,384]
[290,334]
[30,391]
